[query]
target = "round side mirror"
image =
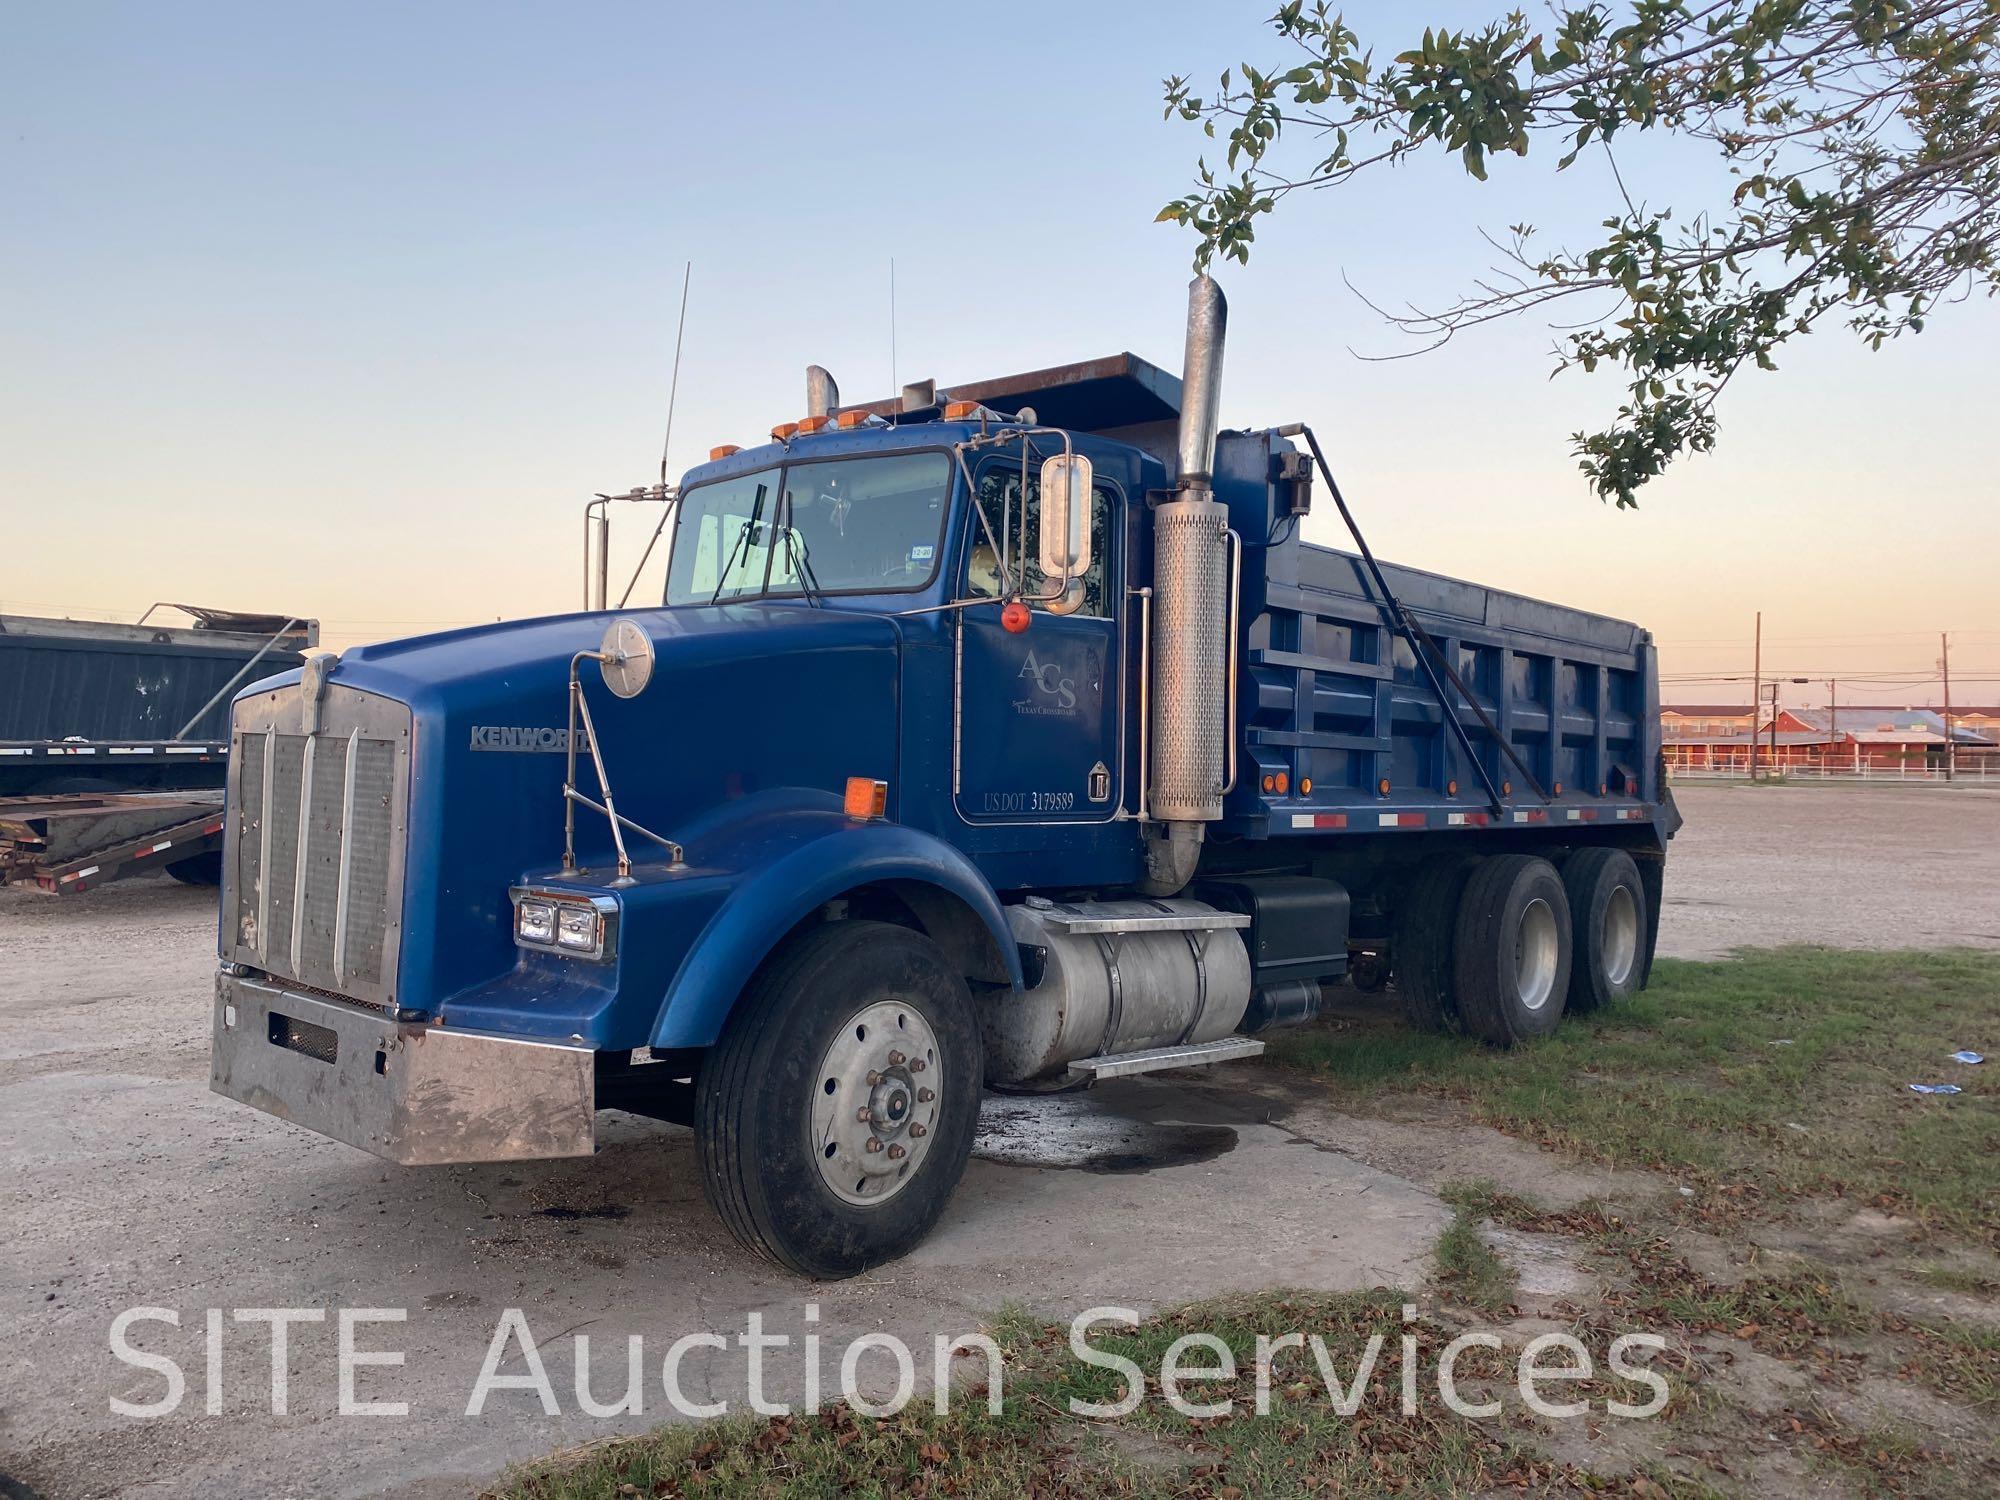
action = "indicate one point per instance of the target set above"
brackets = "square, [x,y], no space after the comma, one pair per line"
[627,658]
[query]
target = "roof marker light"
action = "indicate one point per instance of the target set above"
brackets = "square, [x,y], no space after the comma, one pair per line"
[784,432]
[723,451]
[814,424]
[960,411]
[855,418]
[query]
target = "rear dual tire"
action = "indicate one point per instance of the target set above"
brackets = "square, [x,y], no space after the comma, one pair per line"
[1511,966]
[1425,939]
[1609,907]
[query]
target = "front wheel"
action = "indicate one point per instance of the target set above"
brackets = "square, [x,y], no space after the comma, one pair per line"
[836,1113]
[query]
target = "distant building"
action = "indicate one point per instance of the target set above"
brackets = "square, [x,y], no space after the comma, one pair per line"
[1862,739]
[1694,721]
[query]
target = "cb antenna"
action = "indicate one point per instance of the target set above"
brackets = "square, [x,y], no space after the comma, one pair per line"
[674,391]
[666,446]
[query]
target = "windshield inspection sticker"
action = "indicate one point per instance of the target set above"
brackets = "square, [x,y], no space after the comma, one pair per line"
[922,554]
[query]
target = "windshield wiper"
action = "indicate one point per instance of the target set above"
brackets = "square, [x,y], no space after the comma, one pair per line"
[743,536]
[795,553]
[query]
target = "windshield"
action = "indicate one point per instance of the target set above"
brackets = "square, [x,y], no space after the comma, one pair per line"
[847,526]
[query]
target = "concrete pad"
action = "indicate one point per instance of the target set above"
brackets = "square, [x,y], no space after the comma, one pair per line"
[126,1183]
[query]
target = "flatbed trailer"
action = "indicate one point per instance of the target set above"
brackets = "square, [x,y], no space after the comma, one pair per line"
[114,740]
[69,843]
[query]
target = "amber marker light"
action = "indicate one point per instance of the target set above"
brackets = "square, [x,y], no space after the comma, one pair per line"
[865,798]
[723,451]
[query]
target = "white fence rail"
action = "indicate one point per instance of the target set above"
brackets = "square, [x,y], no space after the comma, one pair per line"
[1983,770]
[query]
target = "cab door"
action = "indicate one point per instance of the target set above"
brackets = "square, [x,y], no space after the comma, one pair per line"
[1038,715]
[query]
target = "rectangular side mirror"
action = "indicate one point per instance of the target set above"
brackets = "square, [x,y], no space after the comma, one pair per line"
[1065,528]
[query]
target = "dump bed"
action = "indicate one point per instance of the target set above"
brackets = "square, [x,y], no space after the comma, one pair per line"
[1341,731]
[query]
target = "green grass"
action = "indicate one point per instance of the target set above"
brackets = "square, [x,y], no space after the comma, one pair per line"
[1466,1268]
[1777,1074]
[1037,1446]
[1952,1279]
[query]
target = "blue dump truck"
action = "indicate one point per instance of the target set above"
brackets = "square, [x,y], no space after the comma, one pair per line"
[1007,737]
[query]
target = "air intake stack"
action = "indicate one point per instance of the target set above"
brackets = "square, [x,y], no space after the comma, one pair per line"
[822,393]
[1189,732]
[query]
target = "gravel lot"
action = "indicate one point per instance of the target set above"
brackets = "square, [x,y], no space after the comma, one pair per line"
[1852,866]
[127,1183]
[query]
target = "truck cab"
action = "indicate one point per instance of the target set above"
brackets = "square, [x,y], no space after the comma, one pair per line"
[950,759]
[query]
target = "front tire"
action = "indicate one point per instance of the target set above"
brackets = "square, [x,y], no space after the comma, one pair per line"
[855,1033]
[1513,950]
[1609,907]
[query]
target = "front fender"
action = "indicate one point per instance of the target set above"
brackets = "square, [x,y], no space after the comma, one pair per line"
[809,857]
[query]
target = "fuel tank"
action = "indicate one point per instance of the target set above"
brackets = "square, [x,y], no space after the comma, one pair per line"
[1117,976]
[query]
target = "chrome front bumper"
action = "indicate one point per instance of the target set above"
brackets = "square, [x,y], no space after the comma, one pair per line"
[419,1095]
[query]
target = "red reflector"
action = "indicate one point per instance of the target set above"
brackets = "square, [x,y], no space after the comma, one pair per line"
[1329,820]
[1411,820]
[1590,815]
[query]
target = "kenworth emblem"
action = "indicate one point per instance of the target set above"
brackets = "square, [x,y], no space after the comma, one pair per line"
[524,738]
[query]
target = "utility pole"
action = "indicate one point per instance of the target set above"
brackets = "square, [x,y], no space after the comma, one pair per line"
[1774,725]
[1756,691]
[1950,749]
[1832,718]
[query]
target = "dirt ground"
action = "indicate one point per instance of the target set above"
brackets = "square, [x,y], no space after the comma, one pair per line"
[128,1184]
[1852,866]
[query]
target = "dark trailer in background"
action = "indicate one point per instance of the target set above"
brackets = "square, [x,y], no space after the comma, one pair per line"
[114,739]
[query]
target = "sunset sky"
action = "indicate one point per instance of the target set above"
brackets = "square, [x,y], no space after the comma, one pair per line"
[346,310]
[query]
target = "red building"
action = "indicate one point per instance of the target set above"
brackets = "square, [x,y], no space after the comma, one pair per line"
[1856,739]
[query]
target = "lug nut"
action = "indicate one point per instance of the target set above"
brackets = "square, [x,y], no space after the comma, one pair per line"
[896,1059]
[917,1066]
[862,1114]
[873,1146]
[924,1096]
[874,1078]
[897,1153]
[918,1132]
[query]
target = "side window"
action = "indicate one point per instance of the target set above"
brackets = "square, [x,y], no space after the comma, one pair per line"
[999,500]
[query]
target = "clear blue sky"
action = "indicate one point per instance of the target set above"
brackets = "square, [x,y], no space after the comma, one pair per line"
[346,309]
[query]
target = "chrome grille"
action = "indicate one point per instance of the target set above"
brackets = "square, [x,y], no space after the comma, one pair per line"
[318,818]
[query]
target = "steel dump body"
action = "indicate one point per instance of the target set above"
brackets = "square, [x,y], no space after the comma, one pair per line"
[1332,696]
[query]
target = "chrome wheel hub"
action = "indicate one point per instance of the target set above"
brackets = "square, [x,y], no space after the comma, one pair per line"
[1619,941]
[1536,945]
[875,1103]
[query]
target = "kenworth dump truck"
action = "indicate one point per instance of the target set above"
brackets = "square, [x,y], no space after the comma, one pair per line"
[1012,739]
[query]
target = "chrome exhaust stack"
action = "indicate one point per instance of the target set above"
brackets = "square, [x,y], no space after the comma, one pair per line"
[822,394]
[1191,730]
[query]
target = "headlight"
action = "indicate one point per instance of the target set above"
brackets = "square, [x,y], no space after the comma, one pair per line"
[577,926]
[535,922]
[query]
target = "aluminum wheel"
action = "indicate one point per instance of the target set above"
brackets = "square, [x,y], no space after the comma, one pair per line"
[1536,946]
[875,1106]
[1620,939]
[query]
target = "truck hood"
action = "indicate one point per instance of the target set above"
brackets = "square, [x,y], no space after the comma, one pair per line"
[744,699]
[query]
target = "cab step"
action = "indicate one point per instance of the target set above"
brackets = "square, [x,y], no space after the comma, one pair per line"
[1124,1064]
